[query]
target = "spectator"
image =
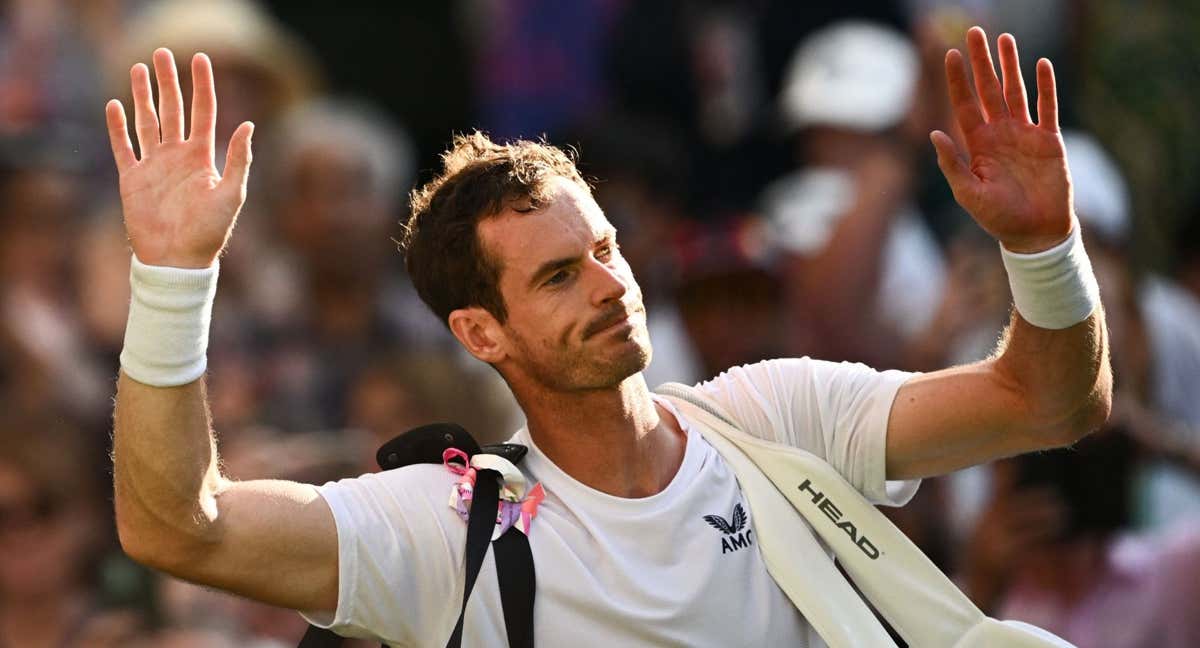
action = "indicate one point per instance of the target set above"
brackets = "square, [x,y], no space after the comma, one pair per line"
[1054,548]
[264,69]
[41,195]
[52,530]
[1156,342]
[863,270]
[329,294]
[728,294]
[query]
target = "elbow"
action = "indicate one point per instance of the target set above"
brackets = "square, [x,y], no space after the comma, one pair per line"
[1089,419]
[136,539]
[133,541]
[158,543]
[1089,416]
[139,540]
[173,554]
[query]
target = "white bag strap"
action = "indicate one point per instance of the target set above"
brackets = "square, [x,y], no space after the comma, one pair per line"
[916,598]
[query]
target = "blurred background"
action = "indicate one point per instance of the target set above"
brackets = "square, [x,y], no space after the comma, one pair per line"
[768,167]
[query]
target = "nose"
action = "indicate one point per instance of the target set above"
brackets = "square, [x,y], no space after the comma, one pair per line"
[611,281]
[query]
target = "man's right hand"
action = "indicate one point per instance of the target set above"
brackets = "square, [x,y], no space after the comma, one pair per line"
[179,211]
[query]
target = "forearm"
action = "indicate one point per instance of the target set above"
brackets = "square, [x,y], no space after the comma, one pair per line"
[165,468]
[165,472]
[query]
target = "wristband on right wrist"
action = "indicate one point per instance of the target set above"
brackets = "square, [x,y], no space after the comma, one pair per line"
[1055,288]
[166,336]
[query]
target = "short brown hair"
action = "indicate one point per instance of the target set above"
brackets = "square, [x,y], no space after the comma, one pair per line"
[446,260]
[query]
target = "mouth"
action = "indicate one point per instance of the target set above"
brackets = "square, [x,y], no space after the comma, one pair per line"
[618,319]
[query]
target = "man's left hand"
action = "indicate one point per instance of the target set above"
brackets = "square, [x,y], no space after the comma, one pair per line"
[1013,179]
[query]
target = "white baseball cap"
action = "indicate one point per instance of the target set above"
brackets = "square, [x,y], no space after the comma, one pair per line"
[852,74]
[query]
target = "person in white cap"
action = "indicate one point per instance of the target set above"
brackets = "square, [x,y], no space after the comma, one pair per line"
[641,535]
[846,219]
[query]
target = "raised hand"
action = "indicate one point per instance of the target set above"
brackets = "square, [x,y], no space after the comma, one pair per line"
[1013,180]
[179,211]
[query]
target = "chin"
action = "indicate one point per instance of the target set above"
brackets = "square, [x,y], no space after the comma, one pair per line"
[629,362]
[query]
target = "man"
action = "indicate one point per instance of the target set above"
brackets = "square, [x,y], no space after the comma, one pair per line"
[510,250]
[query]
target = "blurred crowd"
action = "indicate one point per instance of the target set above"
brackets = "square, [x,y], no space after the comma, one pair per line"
[767,165]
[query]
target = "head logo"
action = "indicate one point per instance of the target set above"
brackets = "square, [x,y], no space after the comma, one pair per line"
[732,538]
[831,511]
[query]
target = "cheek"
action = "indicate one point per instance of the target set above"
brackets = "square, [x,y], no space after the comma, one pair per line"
[534,330]
[546,321]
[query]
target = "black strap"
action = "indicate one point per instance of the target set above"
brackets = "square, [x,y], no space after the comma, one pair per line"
[482,521]
[514,571]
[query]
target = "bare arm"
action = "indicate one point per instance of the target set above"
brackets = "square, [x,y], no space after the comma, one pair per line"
[270,540]
[1046,387]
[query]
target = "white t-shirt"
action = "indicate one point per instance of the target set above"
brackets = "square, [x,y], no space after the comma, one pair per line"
[614,571]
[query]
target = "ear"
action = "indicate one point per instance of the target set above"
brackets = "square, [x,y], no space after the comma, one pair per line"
[479,332]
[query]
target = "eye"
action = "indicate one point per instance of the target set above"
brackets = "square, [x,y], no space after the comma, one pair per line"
[556,279]
[607,251]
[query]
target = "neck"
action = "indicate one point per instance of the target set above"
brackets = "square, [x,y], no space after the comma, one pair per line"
[614,440]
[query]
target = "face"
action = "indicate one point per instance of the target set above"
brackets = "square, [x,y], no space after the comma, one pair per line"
[575,316]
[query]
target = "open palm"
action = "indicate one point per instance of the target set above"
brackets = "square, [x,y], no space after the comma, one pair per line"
[178,209]
[1014,180]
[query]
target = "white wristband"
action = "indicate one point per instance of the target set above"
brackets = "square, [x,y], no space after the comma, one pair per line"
[166,337]
[1055,288]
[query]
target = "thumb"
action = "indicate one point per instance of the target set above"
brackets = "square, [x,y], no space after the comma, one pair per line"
[237,158]
[962,181]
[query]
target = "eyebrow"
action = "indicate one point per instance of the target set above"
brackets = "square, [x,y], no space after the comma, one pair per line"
[553,265]
[550,267]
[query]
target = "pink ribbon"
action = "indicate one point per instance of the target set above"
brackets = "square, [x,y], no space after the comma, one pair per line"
[511,511]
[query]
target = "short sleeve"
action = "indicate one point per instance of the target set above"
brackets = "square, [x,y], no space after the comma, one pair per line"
[837,411]
[400,553]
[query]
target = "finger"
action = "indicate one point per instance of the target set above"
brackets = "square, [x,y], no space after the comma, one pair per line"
[957,173]
[170,99]
[118,136]
[145,118]
[987,86]
[1047,97]
[204,101]
[962,100]
[1014,85]
[237,159]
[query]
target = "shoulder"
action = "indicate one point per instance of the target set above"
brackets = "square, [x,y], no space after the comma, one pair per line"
[416,479]
[788,378]
[764,376]
[398,497]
